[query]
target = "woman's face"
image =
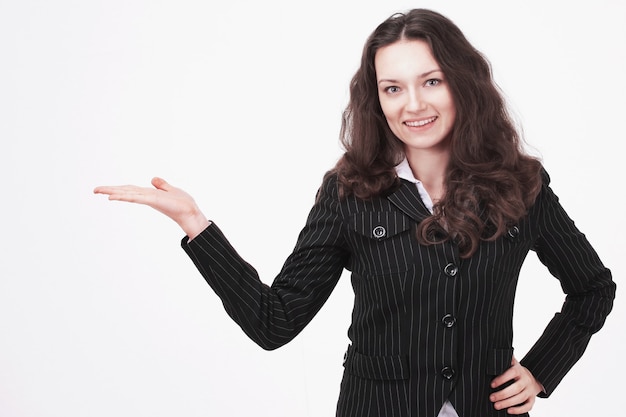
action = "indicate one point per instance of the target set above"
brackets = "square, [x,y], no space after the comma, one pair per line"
[414,96]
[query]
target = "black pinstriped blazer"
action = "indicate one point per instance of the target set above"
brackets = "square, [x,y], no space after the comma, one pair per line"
[427,325]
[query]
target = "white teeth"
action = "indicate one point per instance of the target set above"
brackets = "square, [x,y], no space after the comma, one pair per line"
[421,122]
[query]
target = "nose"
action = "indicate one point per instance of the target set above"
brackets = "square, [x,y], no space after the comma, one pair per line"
[415,101]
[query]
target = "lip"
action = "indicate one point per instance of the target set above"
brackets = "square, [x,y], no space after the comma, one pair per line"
[421,122]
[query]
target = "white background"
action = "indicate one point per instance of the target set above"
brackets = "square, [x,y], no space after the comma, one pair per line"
[239,102]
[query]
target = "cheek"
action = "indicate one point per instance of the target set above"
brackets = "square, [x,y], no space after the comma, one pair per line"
[449,105]
[396,130]
[389,111]
[452,112]
[447,109]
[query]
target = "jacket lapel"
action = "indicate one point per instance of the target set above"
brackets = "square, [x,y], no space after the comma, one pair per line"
[407,199]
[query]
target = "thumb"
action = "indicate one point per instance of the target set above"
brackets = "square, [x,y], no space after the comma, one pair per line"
[161,184]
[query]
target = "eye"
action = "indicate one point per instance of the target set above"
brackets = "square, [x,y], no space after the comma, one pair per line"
[432,82]
[392,89]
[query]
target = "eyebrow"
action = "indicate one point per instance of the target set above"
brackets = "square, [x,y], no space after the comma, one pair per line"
[426,74]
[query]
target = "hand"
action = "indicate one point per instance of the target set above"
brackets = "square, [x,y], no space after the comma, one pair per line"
[519,397]
[171,201]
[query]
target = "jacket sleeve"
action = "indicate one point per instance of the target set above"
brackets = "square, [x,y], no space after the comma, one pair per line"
[273,315]
[587,284]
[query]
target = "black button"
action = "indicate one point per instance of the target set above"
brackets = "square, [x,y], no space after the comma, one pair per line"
[379,232]
[451,270]
[448,320]
[513,232]
[447,373]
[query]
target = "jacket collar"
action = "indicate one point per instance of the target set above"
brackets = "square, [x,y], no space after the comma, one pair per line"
[407,198]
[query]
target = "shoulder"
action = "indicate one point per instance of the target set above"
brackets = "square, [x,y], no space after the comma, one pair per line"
[329,187]
[543,196]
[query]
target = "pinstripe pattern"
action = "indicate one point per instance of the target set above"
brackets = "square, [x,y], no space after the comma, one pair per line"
[426,325]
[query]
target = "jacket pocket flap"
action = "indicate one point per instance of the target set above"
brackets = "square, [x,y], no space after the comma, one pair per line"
[499,360]
[376,367]
[380,225]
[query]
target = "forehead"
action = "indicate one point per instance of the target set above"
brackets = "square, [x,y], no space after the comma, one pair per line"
[404,58]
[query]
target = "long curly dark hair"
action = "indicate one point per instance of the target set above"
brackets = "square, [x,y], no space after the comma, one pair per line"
[490,181]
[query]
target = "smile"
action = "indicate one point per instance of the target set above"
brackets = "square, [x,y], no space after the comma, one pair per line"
[421,122]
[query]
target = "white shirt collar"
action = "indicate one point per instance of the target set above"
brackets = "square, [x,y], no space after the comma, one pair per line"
[403,169]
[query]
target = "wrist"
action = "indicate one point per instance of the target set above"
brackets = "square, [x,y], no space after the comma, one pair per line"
[194,224]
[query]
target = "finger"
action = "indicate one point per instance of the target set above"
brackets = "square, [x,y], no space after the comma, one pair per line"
[505,396]
[132,197]
[522,408]
[505,377]
[128,193]
[111,190]
[101,190]
[505,393]
[161,184]
[517,400]
[116,189]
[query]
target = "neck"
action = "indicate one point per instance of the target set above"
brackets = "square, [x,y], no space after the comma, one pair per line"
[429,166]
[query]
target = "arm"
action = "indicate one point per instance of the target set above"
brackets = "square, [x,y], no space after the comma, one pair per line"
[589,291]
[273,315]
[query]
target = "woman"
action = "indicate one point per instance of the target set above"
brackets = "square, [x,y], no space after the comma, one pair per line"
[433,208]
